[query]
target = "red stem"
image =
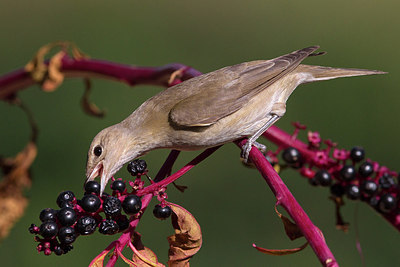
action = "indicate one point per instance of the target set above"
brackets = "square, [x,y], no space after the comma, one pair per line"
[12,82]
[285,199]
[157,186]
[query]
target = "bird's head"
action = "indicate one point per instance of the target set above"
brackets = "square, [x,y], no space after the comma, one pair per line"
[108,152]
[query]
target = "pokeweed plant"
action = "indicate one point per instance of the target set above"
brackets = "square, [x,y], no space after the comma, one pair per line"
[348,173]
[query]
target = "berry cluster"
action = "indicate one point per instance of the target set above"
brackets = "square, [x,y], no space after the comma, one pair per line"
[345,172]
[60,228]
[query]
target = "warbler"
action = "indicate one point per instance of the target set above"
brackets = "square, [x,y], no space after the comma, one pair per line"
[209,110]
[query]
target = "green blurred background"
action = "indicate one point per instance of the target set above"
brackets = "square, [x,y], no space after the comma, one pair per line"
[232,204]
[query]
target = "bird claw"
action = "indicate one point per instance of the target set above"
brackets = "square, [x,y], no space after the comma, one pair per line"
[247,148]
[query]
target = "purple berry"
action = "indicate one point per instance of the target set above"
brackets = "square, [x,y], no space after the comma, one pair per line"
[90,203]
[108,227]
[66,216]
[348,173]
[131,204]
[86,225]
[112,206]
[118,185]
[66,235]
[162,212]
[92,187]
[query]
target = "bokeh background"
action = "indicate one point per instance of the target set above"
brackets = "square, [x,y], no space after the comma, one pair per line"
[232,203]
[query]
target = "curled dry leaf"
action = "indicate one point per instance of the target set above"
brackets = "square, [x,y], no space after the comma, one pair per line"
[291,229]
[49,74]
[340,223]
[143,256]
[280,252]
[15,180]
[187,239]
[87,106]
[54,75]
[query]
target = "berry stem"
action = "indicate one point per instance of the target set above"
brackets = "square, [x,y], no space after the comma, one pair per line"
[285,199]
[157,186]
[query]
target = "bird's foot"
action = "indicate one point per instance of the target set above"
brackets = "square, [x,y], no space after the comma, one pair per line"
[247,147]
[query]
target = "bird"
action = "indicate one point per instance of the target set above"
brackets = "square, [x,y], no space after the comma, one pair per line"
[209,110]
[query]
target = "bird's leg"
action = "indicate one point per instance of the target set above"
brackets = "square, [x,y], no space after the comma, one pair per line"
[247,147]
[278,110]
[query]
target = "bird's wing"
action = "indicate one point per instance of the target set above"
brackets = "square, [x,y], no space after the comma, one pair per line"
[225,91]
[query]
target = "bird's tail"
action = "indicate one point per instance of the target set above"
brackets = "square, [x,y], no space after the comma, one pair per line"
[319,73]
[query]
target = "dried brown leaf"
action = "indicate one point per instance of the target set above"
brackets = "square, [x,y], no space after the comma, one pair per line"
[54,76]
[49,74]
[16,179]
[143,256]
[280,252]
[87,106]
[291,229]
[187,239]
[340,223]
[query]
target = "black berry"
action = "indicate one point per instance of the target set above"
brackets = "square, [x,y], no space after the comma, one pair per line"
[108,227]
[348,173]
[48,215]
[291,155]
[137,166]
[162,212]
[48,229]
[86,225]
[387,203]
[118,185]
[58,251]
[337,190]
[90,203]
[112,206]
[369,188]
[66,216]
[123,223]
[366,169]
[386,181]
[66,196]
[132,204]
[352,192]
[66,204]
[374,201]
[357,153]
[92,187]
[66,248]
[323,178]
[66,235]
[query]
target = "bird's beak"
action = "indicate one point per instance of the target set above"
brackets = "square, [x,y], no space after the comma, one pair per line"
[99,171]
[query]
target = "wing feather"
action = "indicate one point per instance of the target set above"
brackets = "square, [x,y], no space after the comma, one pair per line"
[227,90]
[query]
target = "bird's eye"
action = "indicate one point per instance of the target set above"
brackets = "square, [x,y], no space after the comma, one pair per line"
[97,151]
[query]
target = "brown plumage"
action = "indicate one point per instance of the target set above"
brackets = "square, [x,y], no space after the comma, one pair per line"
[208,110]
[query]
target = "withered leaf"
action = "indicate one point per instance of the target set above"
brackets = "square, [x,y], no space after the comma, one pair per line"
[49,74]
[87,106]
[280,252]
[54,76]
[340,223]
[16,179]
[143,256]
[187,239]
[291,229]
